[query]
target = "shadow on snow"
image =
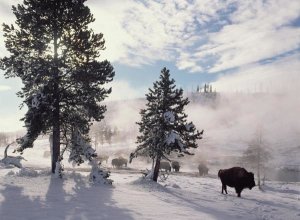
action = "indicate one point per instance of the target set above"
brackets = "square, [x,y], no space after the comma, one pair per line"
[84,202]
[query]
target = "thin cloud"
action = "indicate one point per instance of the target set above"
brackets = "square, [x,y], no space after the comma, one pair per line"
[122,90]
[198,36]
[280,76]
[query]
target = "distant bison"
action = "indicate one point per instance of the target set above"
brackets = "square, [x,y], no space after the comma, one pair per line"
[236,177]
[119,162]
[164,165]
[203,170]
[101,158]
[175,166]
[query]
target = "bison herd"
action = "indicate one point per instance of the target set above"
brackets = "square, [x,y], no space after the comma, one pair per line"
[236,177]
[166,166]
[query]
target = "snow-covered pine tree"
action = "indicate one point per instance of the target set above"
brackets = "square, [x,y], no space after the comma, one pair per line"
[55,53]
[163,127]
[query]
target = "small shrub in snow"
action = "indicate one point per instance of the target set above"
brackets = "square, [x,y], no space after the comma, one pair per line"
[27,172]
[175,186]
[10,173]
[98,175]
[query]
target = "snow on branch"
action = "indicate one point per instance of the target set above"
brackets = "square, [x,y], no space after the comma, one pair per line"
[81,150]
[190,126]
[169,117]
[37,99]
[171,138]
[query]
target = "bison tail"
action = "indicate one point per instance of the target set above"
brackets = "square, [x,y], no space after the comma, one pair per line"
[220,171]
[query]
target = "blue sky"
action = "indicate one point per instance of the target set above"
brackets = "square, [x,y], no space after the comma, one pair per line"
[236,45]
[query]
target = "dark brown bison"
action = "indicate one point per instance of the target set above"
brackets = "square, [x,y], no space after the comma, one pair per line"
[119,162]
[164,165]
[203,170]
[236,177]
[175,166]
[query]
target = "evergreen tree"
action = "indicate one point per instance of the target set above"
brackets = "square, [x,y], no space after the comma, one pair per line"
[55,54]
[163,127]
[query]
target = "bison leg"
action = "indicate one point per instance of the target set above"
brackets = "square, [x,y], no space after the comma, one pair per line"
[225,188]
[238,191]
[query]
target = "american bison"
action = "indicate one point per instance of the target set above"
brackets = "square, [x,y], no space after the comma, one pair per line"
[236,177]
[119,162]
[164,165]
[203,170]
[175,166]
[123,161]
[102,158]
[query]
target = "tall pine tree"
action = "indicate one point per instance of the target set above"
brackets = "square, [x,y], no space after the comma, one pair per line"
[55,53]
[164,127]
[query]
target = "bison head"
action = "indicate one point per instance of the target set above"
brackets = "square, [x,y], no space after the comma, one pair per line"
[250,182]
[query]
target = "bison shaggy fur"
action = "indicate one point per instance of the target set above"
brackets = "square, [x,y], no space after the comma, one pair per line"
[164,165]
[175,166]
[236,177]
[203,170]
[119,162]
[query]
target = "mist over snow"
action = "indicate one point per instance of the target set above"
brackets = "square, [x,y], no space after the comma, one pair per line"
[230,122]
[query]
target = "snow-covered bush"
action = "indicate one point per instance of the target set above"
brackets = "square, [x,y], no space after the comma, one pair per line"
[98,175]
[80,151]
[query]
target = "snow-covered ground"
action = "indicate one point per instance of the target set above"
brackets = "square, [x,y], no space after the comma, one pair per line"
[33,193]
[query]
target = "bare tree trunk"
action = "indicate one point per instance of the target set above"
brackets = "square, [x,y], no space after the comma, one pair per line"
[156,169]
[56,118]
[153,163]
[56,141]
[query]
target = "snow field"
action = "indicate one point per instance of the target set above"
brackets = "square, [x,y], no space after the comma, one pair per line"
[27,196]
[33,193]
